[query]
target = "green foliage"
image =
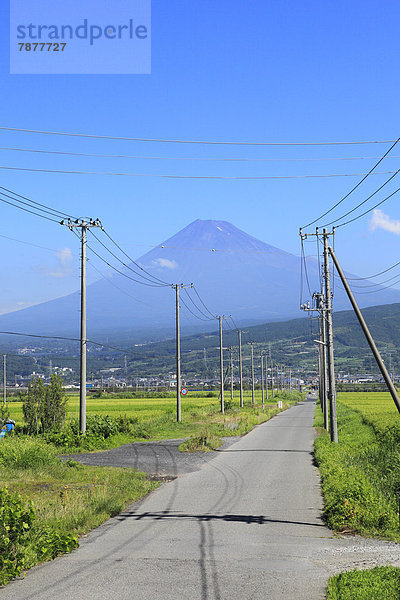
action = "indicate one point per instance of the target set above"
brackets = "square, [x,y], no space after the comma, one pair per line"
[16,519]
[360,477]
[4,413]
[54,407]
[32,405]
[380,583]
[27,453]
[202,442]
[67,499]
[44,407]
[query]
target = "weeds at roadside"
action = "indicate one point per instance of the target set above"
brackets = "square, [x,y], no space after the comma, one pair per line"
[360,477]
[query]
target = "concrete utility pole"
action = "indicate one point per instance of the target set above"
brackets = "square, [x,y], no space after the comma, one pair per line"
[83,225]
[271,366]
[221,362]
[253,400]
[262,380]
[5,379]
[266,376]
[177,287]
[322,358]
[231,369]
[375,351]
[240,368]
[329,342]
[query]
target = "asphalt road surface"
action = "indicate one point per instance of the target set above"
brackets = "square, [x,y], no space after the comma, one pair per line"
[246,525]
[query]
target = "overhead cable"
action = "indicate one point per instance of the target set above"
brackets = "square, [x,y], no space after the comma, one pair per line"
[211,177]
[180,141]
[355,187]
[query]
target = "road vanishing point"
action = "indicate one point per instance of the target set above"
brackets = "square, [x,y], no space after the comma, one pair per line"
[247,525]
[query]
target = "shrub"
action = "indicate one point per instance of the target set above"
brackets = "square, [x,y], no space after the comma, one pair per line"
[16,518]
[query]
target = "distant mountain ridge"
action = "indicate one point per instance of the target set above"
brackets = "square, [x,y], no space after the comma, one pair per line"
[235,273]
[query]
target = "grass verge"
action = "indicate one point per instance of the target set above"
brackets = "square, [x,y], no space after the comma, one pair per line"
[113,429]
[360,476]
[65,500]
[381,583]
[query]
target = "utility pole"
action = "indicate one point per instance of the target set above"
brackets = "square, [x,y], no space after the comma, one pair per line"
[221,362]
[322,356]
[329,342]
[271,366]
[177,287]
[83,225]
[240,368]
[262,380]
[231,369]
[266,376]
[4,379]
[253,400]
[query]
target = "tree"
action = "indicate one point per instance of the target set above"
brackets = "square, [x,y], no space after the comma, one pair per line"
[55,405]
[32,405]
[44,407]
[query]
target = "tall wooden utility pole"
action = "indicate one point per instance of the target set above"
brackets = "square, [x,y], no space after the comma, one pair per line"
[221,364]
[83,225]
[240,368]
[177,287]
[231,369]
[253,399]
[262,380]
[329,342]
[320,300]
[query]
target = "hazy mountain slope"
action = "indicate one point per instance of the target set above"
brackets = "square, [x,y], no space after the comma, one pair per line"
[234,272]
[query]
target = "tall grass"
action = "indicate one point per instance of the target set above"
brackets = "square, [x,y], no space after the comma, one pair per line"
[360,476]
[68,498]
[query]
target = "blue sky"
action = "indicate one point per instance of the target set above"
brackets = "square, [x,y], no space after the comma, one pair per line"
[262,71]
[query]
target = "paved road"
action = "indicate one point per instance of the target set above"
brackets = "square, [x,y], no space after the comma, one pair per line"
[160,459]
[247,525]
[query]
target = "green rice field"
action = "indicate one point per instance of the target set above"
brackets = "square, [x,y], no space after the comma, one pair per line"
[143,408]
[377,408]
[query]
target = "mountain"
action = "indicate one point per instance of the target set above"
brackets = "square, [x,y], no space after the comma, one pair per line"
[235,274]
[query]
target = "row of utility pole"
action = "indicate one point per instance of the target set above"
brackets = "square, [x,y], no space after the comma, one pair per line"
[322,304]
[83,225]
[280,377]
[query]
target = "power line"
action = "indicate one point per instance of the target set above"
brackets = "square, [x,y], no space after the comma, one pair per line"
[364,201]
[375,284]
[198,295]
[199,309]
[116,286]
[355,187]
[376,274]
[369,210]
[127,266]
[131,259]
[60,337]
[189,158]
[27,243]
[27,210]
[178,141]
[211,177]
[191,312]
[121,272]
[38,204]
